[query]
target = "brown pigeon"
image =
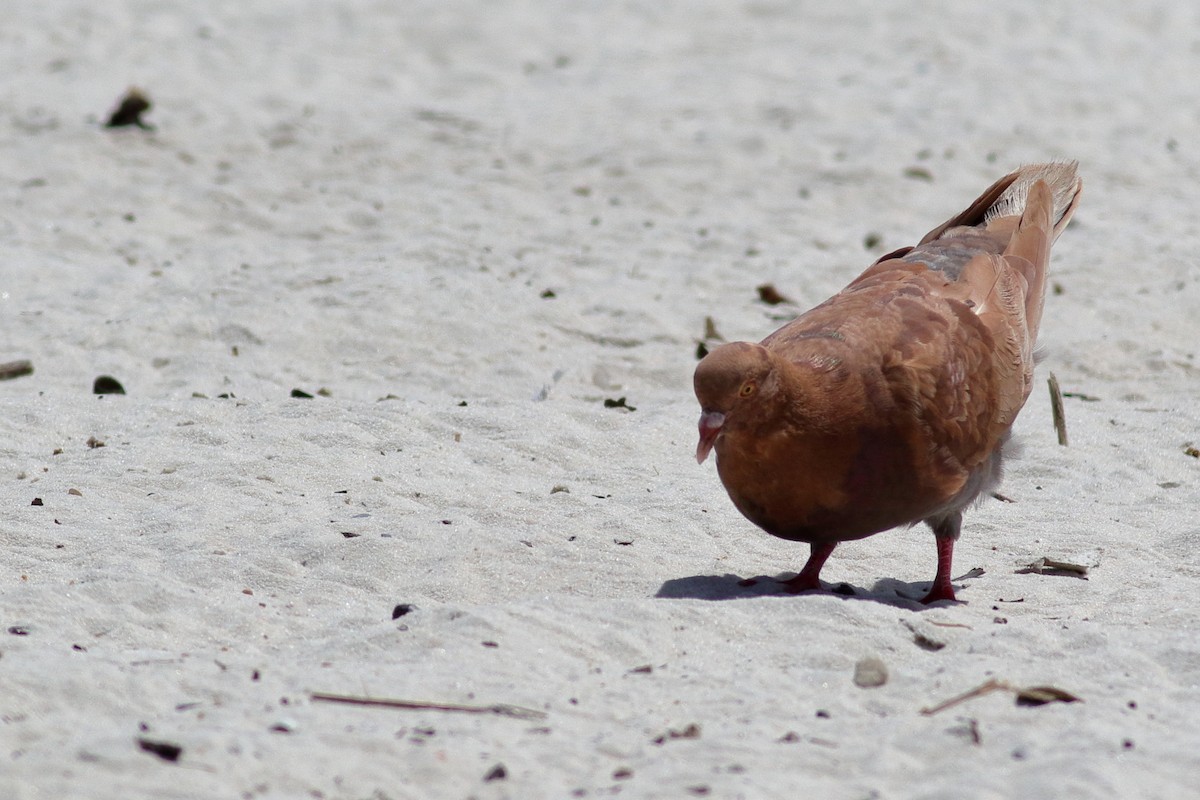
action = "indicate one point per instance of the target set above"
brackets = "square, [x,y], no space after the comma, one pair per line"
[890,403]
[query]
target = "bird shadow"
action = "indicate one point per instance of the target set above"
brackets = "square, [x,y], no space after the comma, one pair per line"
[887,591]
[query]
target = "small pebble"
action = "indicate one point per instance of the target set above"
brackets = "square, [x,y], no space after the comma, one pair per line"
[870,672]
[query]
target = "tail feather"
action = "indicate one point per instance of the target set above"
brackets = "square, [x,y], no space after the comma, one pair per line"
[1042,197]
[1059,177]
[1007,198]
[1028,251]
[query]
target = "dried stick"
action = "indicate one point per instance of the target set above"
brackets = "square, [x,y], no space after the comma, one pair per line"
[499,709]
[987,687]
[1056,408]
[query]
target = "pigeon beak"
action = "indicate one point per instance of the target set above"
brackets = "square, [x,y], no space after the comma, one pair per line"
[710,427]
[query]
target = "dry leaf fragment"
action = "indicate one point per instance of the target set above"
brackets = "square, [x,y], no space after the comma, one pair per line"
[692,731]
[770,295]
[1040,695]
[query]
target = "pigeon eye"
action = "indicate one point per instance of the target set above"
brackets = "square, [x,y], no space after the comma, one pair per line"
[747,389]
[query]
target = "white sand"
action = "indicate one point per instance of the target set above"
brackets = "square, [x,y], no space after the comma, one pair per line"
[372,199]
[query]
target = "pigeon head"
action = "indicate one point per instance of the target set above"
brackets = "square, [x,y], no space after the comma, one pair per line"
[730,378]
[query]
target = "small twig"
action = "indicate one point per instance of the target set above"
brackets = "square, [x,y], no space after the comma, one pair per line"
[1056,408]
[987,687]
[1049,566]
[15,369]
[1029,696]
[499,709]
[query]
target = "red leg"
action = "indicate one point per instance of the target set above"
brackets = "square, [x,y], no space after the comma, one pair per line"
[946,532]
[810,577]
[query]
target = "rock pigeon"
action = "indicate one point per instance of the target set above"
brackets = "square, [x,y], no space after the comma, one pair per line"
[890,403]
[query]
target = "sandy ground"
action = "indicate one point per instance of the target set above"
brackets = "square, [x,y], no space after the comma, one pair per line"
[470,224]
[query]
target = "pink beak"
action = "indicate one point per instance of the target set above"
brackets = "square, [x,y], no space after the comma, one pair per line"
[710,427]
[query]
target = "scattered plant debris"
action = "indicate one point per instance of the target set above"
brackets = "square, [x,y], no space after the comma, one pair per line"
[969,730]
[499,709]
[692,731]
[15,369]
[107,384]
[1087,398]
[93,442]
[164,750]
[496,773]
[923,639]
[618,403]
[129,112]
[1032,696]
[710,335]
[768,294]
[300,393]
[1048,566]
[918,173]
[1041,695]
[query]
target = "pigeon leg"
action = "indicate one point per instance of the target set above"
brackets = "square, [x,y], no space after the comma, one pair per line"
[810,576]
[946,532]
